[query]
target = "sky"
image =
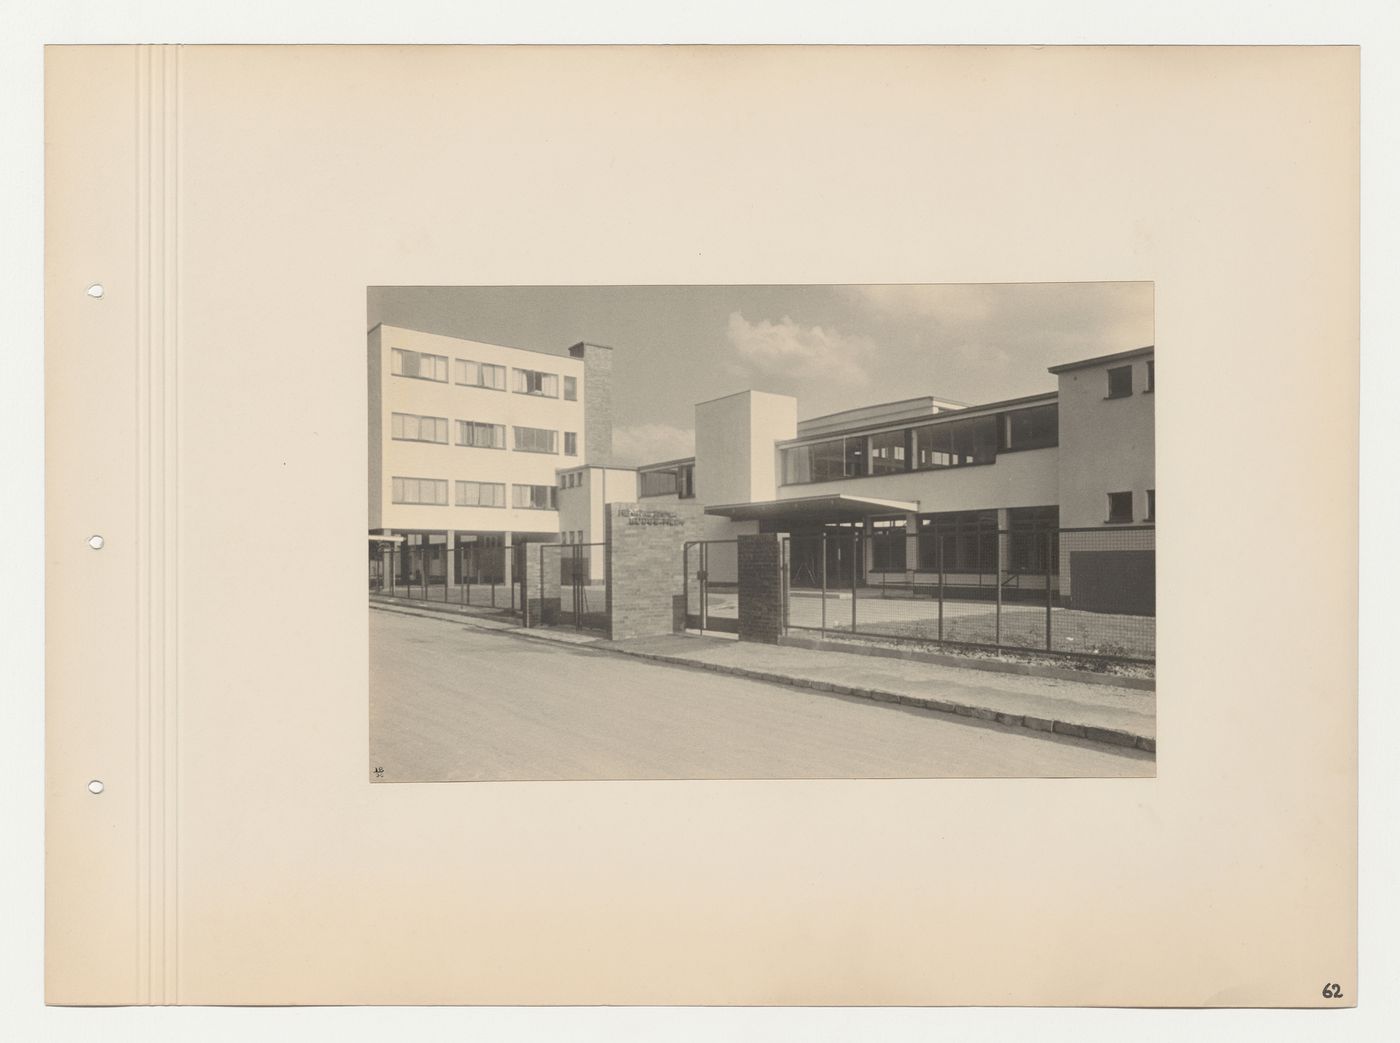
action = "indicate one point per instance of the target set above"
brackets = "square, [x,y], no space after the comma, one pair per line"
[831,347]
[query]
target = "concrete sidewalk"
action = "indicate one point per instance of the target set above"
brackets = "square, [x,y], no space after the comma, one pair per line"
[1099,712]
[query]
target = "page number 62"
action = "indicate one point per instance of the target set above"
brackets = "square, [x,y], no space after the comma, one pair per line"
[1331,992]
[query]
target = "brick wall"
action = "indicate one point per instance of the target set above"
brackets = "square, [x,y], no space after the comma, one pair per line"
[761,587]
[541,599]
[646,571]
[597,402]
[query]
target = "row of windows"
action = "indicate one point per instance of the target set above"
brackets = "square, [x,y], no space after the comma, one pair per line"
[432,492]
[678,481]
[1120,381]
[571,480]
[409,427]
[468,373]
[928,447]
[966,541]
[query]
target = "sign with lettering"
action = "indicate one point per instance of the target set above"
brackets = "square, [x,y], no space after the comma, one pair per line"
[648,516]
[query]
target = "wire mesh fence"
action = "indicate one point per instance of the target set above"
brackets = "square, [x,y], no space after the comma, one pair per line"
[424,567]
[1084,592]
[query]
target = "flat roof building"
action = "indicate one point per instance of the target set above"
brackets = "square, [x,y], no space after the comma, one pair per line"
[465,442]
[477,448]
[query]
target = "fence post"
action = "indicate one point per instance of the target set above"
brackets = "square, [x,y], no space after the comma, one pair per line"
[823,553]
[938,542]
[856,557]
[704,578]
[998,579]
[1049,538]
[785,562]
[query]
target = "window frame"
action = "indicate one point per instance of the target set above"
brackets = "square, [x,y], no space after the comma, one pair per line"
[418,418]
[1126,517]
[481,370]
[1006,443]
[472,425]
[571,443]
[553,440]
[397,491]
[523,377]
[649,478]
[570,388]
[459,483]
[967,427]
[1110,372]
[397,355]
[551,495]
[885,536]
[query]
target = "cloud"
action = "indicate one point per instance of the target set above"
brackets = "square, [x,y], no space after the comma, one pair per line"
[799,354]
[651,443]
[1069,319]
[1017,315]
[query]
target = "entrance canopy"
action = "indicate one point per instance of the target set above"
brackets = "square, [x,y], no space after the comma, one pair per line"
[833,507]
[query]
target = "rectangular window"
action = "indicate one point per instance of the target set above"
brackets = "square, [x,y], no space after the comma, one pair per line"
[888,545]
[1034,534]
[571,443]
[534,497]
[965,541]
[428,491]
[658,483]
[685,482]
[888,452]
[961,443]
[826,461]
[1120,382]
[571,389]
[1152,505]
[1120,508]
[476,435]
[1151,376]
[536,440]
[481,494]
[409,427]
[534,382]
[1034,428]
[418,365]
[481,375]
[797,465]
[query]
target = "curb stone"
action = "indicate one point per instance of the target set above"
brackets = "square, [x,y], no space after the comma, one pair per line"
[1090,733]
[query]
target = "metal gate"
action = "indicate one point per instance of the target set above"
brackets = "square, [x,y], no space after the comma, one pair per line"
[583,585]
[712,585]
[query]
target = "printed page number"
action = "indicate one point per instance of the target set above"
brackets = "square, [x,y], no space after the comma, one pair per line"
[1331,991]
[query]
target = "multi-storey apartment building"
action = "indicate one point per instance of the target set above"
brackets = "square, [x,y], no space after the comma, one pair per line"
[465,442]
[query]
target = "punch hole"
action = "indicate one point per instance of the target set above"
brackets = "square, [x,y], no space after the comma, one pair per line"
[95,786]
[96,542]
[95,291]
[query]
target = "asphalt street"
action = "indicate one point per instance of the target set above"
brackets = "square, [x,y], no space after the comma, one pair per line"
[449,703]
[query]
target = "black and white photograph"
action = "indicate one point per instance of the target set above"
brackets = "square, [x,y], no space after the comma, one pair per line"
[761,532]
